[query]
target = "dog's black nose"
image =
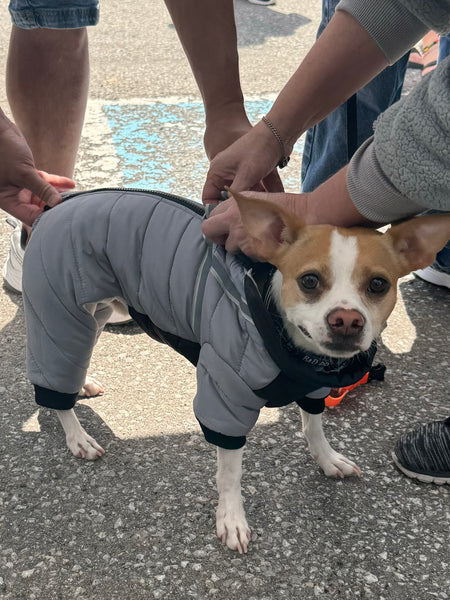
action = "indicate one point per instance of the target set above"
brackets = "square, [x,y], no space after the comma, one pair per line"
[345,323]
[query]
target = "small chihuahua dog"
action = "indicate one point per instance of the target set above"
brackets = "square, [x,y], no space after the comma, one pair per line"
[307,326]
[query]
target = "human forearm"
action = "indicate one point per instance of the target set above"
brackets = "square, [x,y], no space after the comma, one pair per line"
[321,83]
[207,32]
[392,25]
[342,60]
[330,203]
[362,38]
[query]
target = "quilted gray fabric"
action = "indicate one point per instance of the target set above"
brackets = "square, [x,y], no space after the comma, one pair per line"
[148,251]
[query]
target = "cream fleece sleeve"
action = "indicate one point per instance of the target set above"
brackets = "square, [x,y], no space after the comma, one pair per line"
[405,168]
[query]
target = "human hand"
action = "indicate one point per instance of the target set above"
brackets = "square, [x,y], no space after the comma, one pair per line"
[329,203]
[225,228]
[26,205]
[248,164]
[24,191]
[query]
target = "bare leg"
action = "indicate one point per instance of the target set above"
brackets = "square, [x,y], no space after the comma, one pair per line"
[231,523]
[331,462]
[47,83]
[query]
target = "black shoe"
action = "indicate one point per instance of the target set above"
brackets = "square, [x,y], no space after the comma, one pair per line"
[424,453]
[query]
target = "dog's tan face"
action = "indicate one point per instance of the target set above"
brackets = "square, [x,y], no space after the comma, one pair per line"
[336,289]
[338,286]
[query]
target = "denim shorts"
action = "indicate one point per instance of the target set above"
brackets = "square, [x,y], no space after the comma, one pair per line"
[54,14]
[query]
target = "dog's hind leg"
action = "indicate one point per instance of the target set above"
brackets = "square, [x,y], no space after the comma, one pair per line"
[79,442]
[331,462]
[231,523]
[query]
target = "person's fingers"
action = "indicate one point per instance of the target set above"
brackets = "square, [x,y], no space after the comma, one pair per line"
[47,186]
[47,193]
[60,182]
[231,245]
[223,221]
[242,182]
[239,181]
[27,213]
[272,182]
[32,181]
[222,207]
[216,228]
[213,188]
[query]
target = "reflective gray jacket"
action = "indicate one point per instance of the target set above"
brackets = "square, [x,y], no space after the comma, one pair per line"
[147,249]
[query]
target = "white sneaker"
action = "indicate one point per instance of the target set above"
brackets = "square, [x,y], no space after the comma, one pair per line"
[262,2]
[435,274]
[12,269]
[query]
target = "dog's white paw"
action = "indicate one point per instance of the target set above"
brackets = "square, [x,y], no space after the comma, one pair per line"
[334,464]
[83,445]
[91,387]
[232,527]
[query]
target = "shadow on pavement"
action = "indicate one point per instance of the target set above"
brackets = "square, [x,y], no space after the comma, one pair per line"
[139,523]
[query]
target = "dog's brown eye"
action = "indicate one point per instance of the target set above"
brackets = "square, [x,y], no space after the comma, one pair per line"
[308,282]
[378,285]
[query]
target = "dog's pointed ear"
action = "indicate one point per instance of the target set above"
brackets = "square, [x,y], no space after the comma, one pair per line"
[267,223]
[417,241]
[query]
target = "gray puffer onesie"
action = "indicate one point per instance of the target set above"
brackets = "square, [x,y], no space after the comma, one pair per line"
[147,249]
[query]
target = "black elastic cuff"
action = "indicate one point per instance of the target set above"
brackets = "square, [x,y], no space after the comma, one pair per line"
[313,406]
[228,442]
[52,399]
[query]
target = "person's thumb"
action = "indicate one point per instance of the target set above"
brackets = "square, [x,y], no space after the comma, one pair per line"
[272,182]
[43,190]
[212,190]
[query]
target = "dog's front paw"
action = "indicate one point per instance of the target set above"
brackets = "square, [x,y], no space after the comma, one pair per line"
[232,527]
[84,446]
[334,464]
[91,387]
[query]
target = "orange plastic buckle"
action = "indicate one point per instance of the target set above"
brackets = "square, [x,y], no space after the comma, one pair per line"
[337,394]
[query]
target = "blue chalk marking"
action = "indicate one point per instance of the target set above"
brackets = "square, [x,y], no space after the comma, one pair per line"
[160,146]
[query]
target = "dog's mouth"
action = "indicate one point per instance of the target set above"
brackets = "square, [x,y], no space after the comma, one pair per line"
[305,331]
[338,346]
[342,348]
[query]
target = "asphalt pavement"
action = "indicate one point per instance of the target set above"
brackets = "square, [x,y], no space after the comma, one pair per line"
[139,523]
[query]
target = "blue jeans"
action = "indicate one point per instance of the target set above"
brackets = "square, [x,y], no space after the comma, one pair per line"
[330,144]
[443,257]
[444,47]
[54,14]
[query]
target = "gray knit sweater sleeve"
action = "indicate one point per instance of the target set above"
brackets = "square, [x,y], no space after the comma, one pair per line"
[396,25]
[405,168]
